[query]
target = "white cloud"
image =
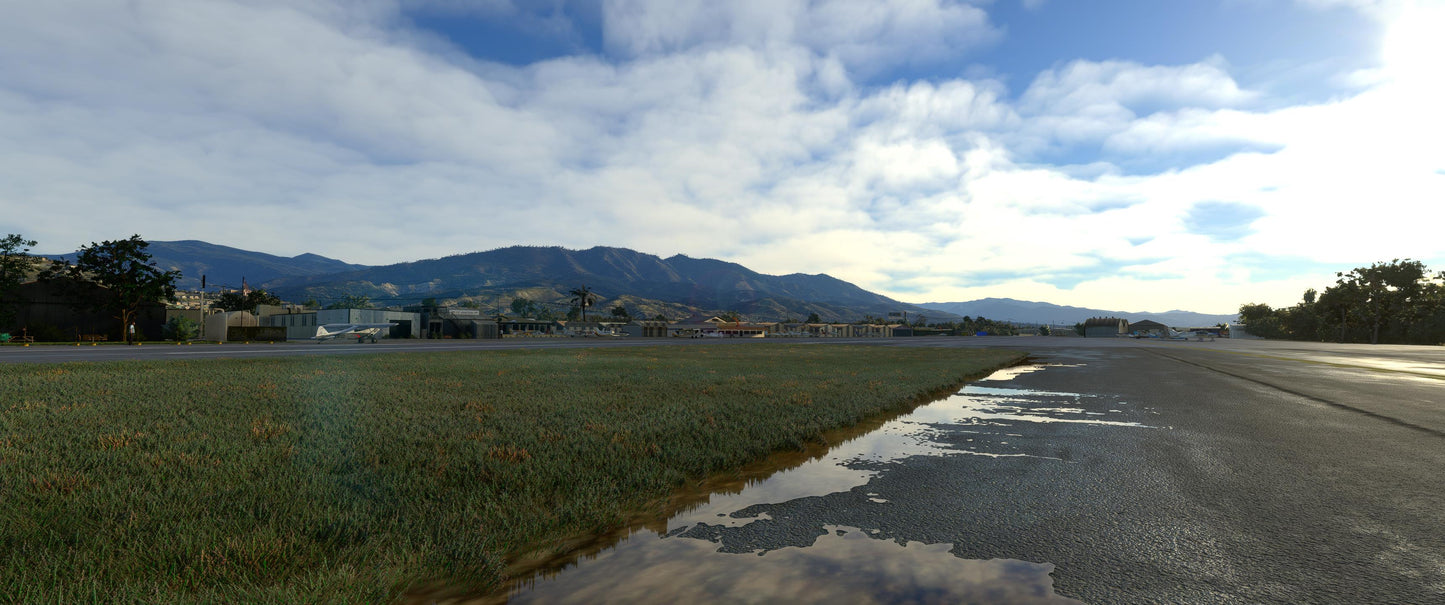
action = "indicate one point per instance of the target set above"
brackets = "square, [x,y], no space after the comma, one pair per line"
[1189,129]
[866,36]
[1088,101]
[1089,87]
[731,130]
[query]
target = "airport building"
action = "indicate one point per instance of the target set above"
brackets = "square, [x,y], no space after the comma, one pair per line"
[1105,327]
[301,324]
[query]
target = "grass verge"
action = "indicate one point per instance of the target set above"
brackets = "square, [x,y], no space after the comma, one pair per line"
[356,479]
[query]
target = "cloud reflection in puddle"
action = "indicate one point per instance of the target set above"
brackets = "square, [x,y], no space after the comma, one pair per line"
[684,558]
[844,565]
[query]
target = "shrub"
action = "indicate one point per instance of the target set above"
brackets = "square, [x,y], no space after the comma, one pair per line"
[180,328]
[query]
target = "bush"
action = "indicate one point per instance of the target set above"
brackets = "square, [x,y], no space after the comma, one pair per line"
[180,328]
[44,332]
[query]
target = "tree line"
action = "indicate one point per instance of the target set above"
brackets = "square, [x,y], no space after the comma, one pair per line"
[1399,302]
[122,267]
[975,325]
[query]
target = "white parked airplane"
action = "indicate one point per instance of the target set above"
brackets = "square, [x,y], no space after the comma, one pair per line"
[1190,335]
[359,331]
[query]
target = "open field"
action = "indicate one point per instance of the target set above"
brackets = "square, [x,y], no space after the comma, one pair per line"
[355,478]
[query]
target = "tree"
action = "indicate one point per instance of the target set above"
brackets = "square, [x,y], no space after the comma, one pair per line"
[236,301]
[1395,302]
[1428,324]
[1386,291]
[581,299]
[180,328]
[660,317]
[351,301]
[1044,330]
[620,313]
[1262,320]
[311,303]
[814,319]
[124,269]
[15,265]
[524,307]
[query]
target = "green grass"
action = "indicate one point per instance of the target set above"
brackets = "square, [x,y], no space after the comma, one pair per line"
[356,479]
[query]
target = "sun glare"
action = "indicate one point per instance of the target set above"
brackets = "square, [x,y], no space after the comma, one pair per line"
[1413,56]
[1414,50]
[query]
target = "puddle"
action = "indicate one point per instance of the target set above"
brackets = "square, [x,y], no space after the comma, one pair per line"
[844,565]
[683,559]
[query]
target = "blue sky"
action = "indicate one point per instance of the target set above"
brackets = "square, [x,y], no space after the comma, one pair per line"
[1138,155]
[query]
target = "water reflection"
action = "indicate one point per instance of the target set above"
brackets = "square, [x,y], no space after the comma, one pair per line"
[703,552]
[844,565]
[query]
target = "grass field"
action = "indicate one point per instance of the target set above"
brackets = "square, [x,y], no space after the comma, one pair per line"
[327,479]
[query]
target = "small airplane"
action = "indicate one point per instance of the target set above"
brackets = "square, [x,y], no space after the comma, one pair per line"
[358,331]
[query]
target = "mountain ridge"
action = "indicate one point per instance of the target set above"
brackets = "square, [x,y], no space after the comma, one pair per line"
[1024,311]
[228,266]
[645,284]
[707,285]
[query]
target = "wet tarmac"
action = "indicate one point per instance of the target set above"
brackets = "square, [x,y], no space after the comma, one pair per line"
[1108,473]
[730,548]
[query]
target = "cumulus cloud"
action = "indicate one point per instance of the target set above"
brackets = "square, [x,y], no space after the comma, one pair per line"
[1092,101]
[734,130]
[1086,86]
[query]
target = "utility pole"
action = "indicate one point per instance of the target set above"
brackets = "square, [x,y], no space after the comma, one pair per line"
[203,306]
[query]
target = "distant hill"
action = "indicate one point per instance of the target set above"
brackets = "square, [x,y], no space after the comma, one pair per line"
[223,265]
[1024,311]
[646,283]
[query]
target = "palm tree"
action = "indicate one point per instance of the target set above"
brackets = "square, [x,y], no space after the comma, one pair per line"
[583,298]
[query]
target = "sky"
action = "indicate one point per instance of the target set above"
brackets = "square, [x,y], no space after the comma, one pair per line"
[1134,155]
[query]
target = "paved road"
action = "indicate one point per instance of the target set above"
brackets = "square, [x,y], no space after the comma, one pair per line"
[1221,472]
[1269,474]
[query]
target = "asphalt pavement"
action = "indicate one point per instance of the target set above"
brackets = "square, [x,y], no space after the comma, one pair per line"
[1210,473]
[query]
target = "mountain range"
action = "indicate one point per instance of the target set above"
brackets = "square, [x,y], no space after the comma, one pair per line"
[645,284]
[1023,311]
